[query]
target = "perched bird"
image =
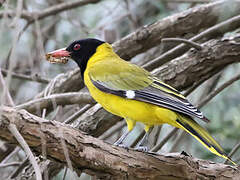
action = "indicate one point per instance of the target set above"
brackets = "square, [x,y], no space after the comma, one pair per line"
[129,91]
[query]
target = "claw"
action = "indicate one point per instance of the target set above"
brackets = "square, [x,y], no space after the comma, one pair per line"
[122,146]
[142,148]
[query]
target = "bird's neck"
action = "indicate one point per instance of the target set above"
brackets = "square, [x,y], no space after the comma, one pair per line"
[103,52]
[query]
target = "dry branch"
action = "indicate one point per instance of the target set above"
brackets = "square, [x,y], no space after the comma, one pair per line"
[34,77]
[198,66]
[95,157]
[58,99]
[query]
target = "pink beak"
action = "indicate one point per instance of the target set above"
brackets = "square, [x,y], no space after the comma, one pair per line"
[59,53]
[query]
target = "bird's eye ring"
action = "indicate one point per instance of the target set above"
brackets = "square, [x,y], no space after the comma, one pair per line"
[76,47]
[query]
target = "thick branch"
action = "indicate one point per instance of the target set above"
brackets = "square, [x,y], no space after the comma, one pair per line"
[95,157]
[198,66]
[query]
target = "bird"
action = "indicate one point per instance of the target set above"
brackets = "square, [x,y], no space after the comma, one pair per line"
[131,92]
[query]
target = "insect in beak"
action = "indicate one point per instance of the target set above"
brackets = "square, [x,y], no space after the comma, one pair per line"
[60,56]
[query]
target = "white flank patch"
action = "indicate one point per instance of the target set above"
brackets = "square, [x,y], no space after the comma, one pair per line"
[130,94]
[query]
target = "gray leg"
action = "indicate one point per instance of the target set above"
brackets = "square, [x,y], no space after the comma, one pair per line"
[130,124]
[119,142]
[142,145]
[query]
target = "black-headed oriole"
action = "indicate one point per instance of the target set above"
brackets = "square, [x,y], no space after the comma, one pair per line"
[129,91]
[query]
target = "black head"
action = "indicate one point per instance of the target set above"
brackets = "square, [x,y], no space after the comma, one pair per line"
[80,51]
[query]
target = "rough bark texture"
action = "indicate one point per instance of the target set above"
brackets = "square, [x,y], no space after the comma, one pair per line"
[198,66]
[95,157]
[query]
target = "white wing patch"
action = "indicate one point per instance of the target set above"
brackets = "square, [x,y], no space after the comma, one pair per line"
[130,94]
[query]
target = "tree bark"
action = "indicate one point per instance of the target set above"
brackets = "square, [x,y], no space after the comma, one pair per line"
[95,157]
[197,66]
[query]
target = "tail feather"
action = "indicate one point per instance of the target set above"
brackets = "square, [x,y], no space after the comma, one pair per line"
[193,128]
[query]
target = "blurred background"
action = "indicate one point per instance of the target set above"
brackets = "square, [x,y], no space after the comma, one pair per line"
[24,44]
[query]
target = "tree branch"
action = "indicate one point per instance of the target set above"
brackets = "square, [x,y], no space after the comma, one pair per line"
[95,157]
[198,66]
[185,41]
[35,77]
[16,134]
[58,99]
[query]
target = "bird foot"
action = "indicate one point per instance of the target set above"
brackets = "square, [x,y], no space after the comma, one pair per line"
[142,148]
[121,145]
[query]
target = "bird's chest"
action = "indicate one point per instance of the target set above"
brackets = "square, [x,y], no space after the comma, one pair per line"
[108,101]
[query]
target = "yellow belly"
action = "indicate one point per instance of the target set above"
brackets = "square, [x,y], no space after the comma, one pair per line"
[146,113]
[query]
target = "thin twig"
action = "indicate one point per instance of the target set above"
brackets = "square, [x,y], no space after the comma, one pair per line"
[65,173]
[217,91]
[234,150]
[10,155]
[10,164]
[59,99]
[188,1]
[19,168]
[13,129]
[163,142]
[34,77]
[193,87]
[185,41]
[113,130]
[211,85]
[139,137]
[178,140]
[17,33]
[5,97]
[77,114]
[157,134]
[65,149]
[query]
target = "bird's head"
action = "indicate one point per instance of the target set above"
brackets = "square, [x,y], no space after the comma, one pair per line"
[80,51]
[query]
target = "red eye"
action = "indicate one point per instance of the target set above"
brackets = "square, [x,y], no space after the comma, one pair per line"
[76,47]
